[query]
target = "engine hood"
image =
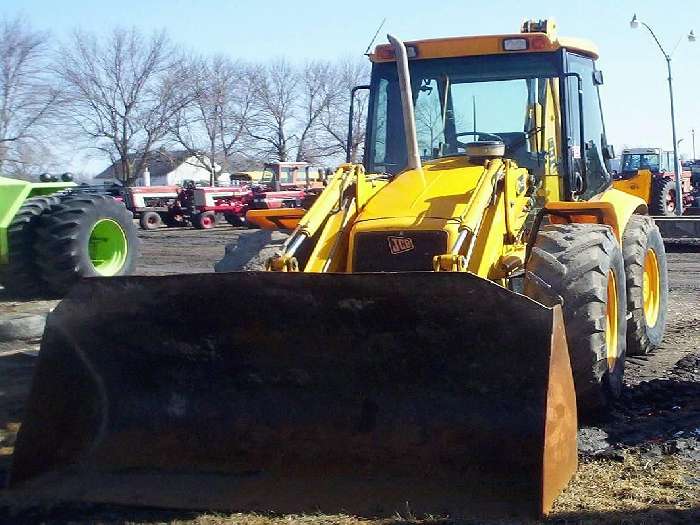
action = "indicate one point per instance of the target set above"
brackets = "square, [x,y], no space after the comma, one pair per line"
[441,190]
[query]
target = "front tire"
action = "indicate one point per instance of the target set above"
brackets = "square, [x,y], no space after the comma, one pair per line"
[581,267]
[85,235]
[204,221]
[647,284]
[150,220]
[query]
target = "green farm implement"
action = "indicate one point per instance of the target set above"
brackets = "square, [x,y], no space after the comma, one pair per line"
[53,233]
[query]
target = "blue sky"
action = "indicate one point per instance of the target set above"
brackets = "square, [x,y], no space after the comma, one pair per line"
[635,95]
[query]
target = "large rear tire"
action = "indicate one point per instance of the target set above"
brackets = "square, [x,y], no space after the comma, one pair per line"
[85,235]
[663,197]
[21,276]
[647,284]
[581,267]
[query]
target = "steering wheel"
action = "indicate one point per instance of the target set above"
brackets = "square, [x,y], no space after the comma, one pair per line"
[478,134]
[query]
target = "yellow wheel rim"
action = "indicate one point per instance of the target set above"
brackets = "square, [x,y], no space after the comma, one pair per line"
[611,320]
[651,288]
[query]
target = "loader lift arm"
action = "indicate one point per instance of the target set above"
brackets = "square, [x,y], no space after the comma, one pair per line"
[346,194]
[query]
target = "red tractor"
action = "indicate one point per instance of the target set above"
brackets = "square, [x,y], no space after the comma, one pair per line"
[231,201]
[154,205]
[190,204]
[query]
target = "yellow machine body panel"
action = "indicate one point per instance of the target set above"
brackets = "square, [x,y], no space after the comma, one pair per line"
[638,185]
[612,207]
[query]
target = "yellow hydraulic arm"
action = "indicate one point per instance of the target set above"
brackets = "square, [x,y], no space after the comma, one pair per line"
[346,194]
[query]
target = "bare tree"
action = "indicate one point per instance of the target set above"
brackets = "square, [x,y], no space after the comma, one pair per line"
[275,100]
[319,88]
[123,92]
[213,126]
[347,73]
[28,96]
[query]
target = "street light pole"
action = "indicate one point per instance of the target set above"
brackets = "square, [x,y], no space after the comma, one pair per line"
[692,132]
[676,166]
[634,23]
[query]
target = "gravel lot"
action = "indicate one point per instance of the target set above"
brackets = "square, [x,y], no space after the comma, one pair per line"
[642,465]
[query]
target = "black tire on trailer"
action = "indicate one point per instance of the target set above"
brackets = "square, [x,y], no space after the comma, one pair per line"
[647,284]
[204,221]
[663,197]
[21,276]
[150,220]
[85,235]
[235,220]
[581,267]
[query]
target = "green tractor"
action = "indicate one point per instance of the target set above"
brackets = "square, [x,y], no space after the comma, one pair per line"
[54,233]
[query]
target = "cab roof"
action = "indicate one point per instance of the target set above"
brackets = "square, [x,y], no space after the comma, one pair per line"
[542,39]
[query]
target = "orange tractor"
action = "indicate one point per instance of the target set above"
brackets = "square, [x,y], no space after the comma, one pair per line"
[648,173]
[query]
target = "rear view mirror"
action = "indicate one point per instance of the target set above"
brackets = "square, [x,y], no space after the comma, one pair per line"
[608,152]
[598,78]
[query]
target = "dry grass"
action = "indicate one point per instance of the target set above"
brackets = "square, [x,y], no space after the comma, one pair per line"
[631,485]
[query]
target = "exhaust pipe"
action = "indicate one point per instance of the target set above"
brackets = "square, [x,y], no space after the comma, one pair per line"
[409,121]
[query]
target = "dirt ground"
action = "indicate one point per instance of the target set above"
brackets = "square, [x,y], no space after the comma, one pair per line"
[640,465]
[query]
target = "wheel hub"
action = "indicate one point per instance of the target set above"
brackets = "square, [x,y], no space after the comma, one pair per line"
[651,288]
[611,320]
[108,247]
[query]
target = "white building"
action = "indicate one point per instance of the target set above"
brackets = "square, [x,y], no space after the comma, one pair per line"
[165,168]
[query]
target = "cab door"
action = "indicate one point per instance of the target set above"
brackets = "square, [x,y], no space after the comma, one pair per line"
[588,173]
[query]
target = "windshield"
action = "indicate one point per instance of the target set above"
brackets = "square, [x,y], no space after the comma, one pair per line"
[634,162]
[457,101]
[267,176]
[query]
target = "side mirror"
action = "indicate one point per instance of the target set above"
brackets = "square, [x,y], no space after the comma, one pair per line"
[608,152]
[598,78]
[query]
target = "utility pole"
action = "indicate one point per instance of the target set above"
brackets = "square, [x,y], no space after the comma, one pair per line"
[634,23]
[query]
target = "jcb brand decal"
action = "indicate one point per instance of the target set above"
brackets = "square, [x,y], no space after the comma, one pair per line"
[400,244]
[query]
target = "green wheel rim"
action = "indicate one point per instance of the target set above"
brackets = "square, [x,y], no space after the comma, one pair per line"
[108,247]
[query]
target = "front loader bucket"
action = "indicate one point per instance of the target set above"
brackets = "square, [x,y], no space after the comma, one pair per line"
[371,394]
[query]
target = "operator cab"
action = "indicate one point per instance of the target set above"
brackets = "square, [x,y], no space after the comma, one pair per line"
[652,159]
[502,93]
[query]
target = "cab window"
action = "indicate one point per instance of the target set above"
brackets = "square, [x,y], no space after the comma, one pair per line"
[591,151]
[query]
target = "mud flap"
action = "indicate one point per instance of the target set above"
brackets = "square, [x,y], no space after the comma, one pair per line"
[371,394]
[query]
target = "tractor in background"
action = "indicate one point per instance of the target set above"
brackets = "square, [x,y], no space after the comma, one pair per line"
[54,233]
[288,188]
[648,173]
[190,204]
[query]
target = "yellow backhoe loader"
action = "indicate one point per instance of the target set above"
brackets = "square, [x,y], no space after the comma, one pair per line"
[422,340]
